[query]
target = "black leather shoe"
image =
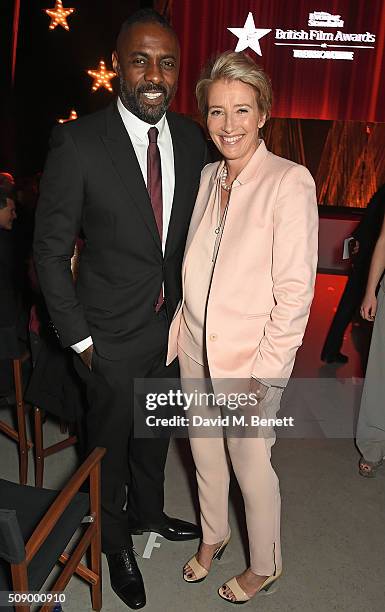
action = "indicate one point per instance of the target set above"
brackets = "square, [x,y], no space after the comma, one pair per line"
[338,358]
[126,579]
[172,529]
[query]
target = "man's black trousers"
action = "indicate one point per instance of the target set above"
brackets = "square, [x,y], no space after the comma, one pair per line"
[132,471]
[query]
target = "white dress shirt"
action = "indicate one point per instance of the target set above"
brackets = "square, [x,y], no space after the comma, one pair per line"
[138,133]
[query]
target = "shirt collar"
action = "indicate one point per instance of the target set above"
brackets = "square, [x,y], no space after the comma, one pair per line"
[249,171]
[136,126]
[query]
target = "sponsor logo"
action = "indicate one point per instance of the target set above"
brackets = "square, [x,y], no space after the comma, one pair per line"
[325,20]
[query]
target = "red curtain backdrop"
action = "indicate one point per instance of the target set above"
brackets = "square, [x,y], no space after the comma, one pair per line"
[352,165]
[303,88]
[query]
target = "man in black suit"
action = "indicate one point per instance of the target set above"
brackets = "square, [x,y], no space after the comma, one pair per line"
[98,179]
[9,279]
[14,308]
[7,207]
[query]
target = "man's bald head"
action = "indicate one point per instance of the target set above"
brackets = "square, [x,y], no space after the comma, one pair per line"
[143,16]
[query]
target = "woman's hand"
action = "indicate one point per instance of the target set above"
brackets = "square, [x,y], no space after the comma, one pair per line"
[369,307]
[258,389]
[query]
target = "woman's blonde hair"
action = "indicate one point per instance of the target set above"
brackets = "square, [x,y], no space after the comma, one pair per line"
[232,66]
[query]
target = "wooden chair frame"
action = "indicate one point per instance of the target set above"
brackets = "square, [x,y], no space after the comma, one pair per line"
[91,537]
[40,452]
[19,435]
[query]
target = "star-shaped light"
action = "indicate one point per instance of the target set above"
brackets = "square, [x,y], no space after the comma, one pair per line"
[249,35]
[102,77]
[59,15]
[72,117]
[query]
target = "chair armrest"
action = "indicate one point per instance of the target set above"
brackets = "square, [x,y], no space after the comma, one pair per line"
[11,540]
[64,498]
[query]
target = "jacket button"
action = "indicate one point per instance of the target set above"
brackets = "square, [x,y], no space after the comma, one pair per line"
[213,337]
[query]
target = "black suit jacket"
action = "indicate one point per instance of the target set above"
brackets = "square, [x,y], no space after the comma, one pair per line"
[8,274]
[369,229]
[13,318]
[92,184]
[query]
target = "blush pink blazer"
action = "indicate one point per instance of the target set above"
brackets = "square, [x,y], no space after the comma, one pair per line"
[263,281]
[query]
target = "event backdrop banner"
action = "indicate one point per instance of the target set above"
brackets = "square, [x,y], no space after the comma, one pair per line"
[325,57]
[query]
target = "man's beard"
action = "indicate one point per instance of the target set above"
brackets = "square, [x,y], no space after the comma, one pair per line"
[131,99]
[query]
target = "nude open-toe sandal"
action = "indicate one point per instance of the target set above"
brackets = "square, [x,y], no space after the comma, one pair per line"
[240,596]
[200,572]
[198,569]
[368,469]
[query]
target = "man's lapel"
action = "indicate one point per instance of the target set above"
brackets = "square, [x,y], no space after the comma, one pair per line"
[178,219]
[123,156]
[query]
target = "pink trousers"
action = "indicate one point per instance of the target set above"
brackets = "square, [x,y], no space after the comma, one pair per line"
[249,455]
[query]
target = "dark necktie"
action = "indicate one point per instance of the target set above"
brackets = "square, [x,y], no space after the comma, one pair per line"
[154,187]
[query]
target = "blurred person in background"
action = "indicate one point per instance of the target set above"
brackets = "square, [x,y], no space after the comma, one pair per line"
[361,247]
[370,437]
[9,290]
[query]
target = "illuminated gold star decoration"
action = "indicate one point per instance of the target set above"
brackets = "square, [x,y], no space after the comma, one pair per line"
[102,77]
[72,117]
[59,15]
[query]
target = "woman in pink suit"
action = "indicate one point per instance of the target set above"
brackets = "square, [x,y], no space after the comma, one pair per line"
[248,280]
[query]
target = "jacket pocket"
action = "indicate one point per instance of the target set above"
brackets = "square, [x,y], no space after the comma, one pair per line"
[258,315]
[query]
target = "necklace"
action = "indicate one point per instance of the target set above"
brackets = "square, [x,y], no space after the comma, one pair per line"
[227,188]
[224,174]
[221,221]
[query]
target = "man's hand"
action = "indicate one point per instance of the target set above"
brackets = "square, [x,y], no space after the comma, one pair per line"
[258,389]
[86,356]
[354,247]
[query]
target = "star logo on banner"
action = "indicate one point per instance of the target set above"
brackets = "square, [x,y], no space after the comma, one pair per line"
[59,15]
[102,77]
[249,35]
